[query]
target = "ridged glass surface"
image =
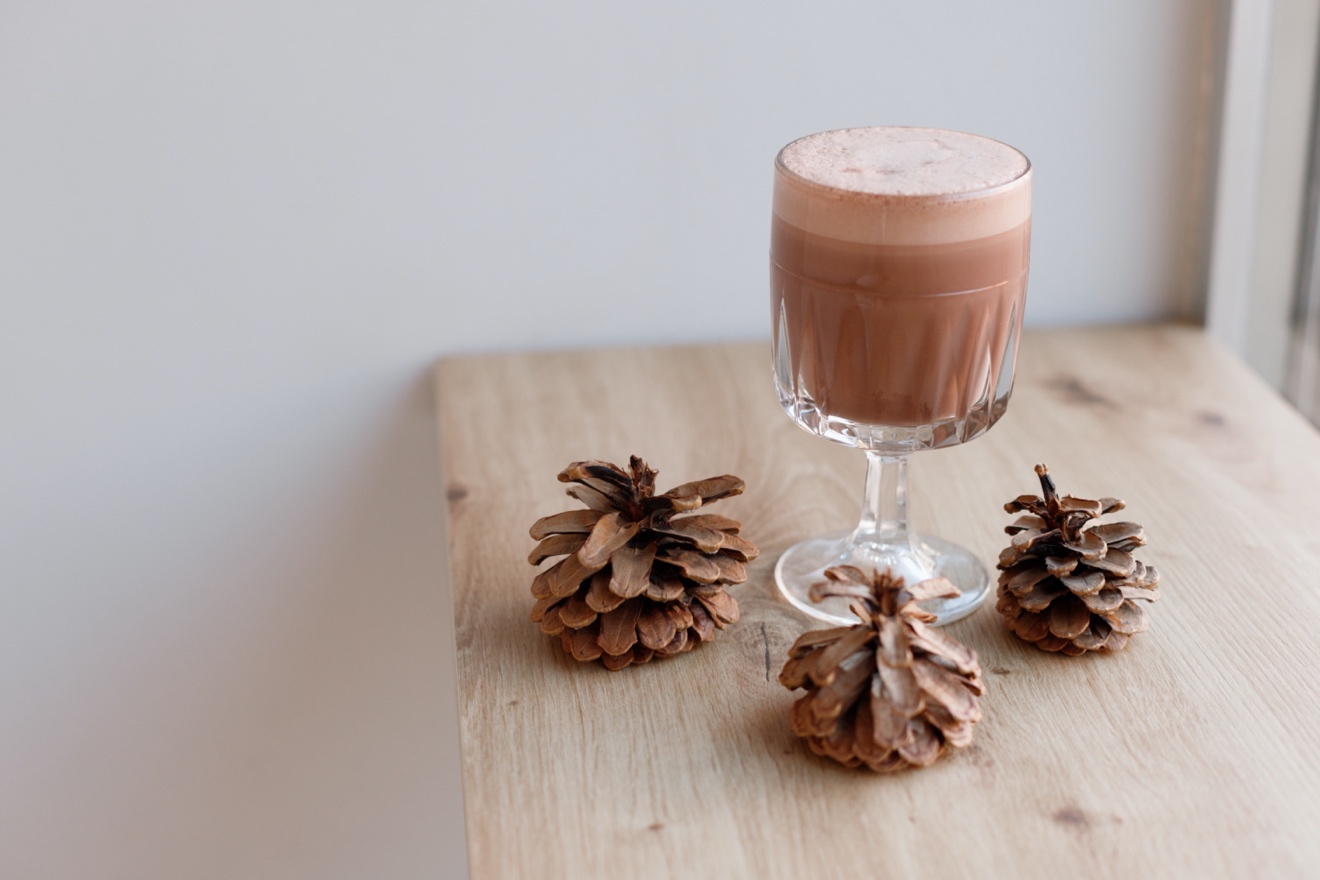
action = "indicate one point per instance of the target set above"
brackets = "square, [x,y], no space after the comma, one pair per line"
[987,401]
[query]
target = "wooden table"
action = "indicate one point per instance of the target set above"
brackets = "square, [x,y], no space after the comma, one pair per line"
[1195,752]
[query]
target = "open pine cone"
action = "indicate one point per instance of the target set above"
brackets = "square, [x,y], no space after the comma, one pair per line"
[637,581]
[1069,587]
[889,692]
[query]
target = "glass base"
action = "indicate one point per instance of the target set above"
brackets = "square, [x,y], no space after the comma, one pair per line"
[804,564]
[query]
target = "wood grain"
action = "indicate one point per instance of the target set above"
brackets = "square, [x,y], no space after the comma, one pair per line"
[1194,752]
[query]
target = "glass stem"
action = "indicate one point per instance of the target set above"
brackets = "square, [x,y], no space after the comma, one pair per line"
[884,503]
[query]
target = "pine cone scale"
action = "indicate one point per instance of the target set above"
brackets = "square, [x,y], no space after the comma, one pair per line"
[924,748]
[731,570]
[894,651]
[600,596]
[1116,641]
[576,613]
[592,498]
[556,545]
[945,689]
[593,469]
[889,726]
[618,628]
[680,615]
[1112,533]
[1024,578]
[815,638]
[935,588]
[610,533]
[654,628]
[1107,599]
[707,490]
[1128,619]
[1087,584]
[1095,636]
[868,749]
[583,643]
[703,625]
[901,689]
[722,608]
[541,606]
[1115,562]
[692,564]
[568,522]
[551,625]
[828,701]
[739,547]
[1059,567]
[568,574]
[852,641]
[714,521]
[932,641]
[1089,545]
[1052,642]
[1039,597]
[704,539]
[630,570]
[541,586]
[1069,618]
[664,588]
[1037,625]
[1138,591]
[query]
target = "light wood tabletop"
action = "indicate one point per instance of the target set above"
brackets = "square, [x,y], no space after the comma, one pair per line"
[1194,752]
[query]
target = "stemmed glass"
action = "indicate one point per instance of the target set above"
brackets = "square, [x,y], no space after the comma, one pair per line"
[898,278]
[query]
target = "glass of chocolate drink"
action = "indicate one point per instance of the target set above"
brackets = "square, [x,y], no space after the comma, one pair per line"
[898,265]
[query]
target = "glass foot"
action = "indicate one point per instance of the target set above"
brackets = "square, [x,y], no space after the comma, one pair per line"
[804,564]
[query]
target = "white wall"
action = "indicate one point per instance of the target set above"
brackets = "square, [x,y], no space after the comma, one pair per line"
[233,236]
[608,167]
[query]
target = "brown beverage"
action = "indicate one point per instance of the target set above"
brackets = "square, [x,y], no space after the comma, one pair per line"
[898,268]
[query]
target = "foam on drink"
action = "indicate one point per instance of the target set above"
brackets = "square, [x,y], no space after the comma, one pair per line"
[902,186]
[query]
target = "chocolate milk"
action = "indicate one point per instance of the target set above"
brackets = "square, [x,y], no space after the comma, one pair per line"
[898,277]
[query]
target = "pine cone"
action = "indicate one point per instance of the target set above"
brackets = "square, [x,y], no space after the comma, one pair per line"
[637,581]
[889,692]
[1069,588]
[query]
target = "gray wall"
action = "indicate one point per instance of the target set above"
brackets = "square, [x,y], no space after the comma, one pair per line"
[234,235]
